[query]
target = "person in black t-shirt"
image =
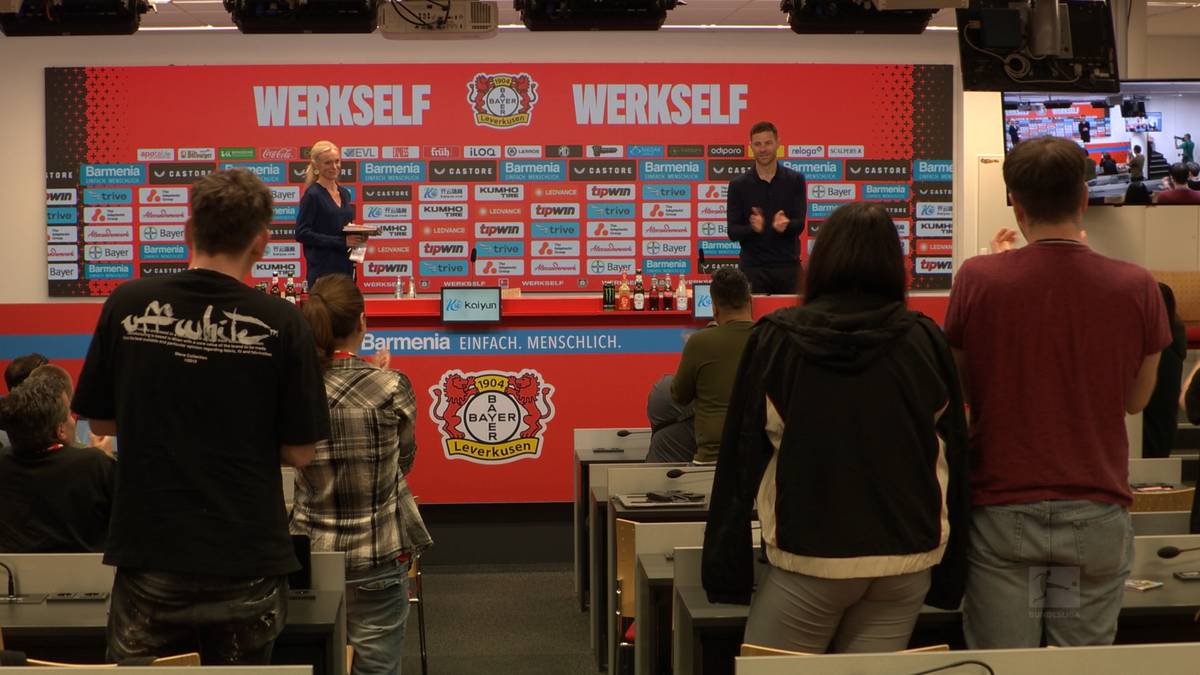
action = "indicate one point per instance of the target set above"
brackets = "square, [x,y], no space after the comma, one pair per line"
[765,214]
[55,497]
[209,385]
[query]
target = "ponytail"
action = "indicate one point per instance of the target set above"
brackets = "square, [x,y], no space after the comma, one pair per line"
[332,310]
[316,313]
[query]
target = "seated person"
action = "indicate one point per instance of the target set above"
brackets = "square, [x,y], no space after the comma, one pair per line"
[1177,190]
[672,437]
[19,368]
[1193,175]
[55,497]
[1108,165]
[1137,193]
[710,361]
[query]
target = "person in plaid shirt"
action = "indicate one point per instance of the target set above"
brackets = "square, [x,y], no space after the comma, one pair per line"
[353,496]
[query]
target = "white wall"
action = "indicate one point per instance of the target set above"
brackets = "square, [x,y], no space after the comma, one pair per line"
[22,222]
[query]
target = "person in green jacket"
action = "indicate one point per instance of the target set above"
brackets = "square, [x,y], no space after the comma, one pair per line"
[710,361]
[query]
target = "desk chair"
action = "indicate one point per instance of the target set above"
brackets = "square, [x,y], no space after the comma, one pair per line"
[416,596]
[759,650]
[1178,499]
[626,564]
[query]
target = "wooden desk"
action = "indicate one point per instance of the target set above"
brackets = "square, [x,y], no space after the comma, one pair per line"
[74,631]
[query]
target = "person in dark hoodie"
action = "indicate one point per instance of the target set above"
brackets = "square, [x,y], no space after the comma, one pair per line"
[1161,415]
[846,427]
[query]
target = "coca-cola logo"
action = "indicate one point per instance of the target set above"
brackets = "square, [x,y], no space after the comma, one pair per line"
[278,153]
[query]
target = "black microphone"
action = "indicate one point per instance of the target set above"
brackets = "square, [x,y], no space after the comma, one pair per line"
[12,581]
[474,254]
[676,473]
[625,432]
[1169,552]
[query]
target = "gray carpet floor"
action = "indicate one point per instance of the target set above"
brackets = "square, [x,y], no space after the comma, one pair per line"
[501,621]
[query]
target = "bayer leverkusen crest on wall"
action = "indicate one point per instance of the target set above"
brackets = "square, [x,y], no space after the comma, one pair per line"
[492,417]
[502,100]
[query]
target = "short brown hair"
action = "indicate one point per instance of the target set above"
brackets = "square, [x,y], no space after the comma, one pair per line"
[1047,177]
[229,209]
[332,310]
[729,288]
[57,376]
[31,414]
[762,126]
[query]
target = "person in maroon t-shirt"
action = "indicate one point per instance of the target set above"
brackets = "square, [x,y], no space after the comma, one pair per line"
[1055,344]
[1177,191]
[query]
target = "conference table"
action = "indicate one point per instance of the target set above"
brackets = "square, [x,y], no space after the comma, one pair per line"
[73,631]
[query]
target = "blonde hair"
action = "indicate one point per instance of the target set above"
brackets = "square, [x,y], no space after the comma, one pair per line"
[319,148]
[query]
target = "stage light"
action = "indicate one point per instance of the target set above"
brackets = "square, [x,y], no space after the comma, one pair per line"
[594,14]
[310,16]
[71,17]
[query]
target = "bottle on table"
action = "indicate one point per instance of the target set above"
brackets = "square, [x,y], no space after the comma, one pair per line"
[654,295]
[639,293]
[608,298]
[624,297]
[412,288]
[668,295]
[289,291]
[274,289]
[681,295]
[399,291]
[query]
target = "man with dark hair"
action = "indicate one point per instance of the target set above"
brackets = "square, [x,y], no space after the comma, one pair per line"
[710,360]
[211,385]
[1178,191]
[765,212]
[20,368]
[55,497]
[1137,164]
[1187,149]
[1055,344]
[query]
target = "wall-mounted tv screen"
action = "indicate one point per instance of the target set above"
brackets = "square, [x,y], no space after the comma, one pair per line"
[1151,121]
[1130,148]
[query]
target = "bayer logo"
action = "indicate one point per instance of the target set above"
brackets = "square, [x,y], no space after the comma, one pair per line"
[492,417]
[502,101]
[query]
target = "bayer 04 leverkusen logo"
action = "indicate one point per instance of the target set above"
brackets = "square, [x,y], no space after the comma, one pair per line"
[492,417]
[502,100]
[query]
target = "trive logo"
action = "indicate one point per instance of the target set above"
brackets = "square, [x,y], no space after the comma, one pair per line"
[492,417]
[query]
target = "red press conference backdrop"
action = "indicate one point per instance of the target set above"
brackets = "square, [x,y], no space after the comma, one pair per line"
[551,177]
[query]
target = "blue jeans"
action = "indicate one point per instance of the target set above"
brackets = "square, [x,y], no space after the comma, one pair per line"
[1049,570]
[376,611]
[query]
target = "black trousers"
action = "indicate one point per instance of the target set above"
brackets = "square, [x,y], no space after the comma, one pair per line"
[772,279]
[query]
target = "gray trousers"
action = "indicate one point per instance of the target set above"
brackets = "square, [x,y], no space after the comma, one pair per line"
[810,614]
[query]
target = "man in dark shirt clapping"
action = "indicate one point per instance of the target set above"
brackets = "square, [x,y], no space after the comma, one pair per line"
[765,214]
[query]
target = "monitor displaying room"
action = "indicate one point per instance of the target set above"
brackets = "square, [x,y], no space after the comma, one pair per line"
[702,307]
[1155,119]
[471,305]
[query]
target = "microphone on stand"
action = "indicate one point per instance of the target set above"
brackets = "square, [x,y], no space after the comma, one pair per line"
[1168,552]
